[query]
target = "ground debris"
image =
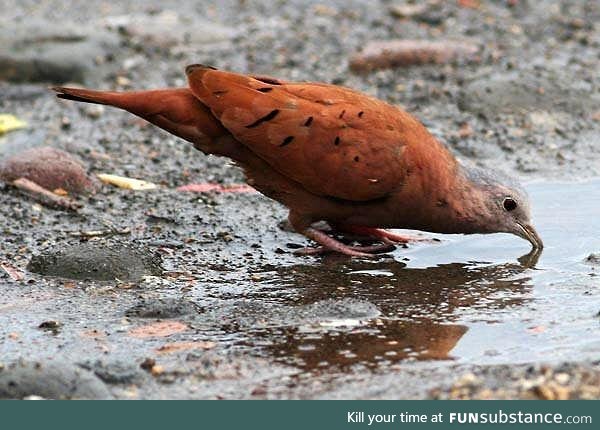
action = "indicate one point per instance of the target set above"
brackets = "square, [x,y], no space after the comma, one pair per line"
[469,4]
[49,168]
[382,54]
[407,10]
[126,183]
[173,347]
[551,391]
[14,273]
[148,363]
[567,381]
[10,123]
[44,196]
[158,329]
[208,187]
[50,326]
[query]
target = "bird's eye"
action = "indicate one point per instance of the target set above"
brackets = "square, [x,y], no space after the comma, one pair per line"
[509,204]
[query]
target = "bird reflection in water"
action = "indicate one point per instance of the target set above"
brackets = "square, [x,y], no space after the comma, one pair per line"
[421,309]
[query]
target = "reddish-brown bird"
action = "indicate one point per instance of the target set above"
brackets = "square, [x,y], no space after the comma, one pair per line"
[331,154]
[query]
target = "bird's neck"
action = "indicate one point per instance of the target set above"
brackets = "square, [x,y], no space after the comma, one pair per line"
[467,204]
[457,199]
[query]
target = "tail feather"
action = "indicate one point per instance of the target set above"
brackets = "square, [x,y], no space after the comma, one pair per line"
[175,110]
[77,99]
[84,95]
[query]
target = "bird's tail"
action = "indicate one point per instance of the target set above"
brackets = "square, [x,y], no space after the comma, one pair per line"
[175,110]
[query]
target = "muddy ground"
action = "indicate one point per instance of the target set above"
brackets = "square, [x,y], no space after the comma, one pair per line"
[199,295]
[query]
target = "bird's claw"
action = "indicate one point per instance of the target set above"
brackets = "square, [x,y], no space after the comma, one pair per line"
[382,235]
[352,251]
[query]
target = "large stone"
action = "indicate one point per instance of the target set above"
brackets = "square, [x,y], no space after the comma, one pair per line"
[168,28]
[49,168]
[521,92]
[93,261]
[50,381]
[41,51]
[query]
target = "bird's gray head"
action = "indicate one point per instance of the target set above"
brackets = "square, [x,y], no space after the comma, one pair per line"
[503,205]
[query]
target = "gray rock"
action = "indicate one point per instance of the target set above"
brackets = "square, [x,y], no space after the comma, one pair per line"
[168,28]
[115,372]
[36,51]
[97,262]
[162,308]
[50,381]
[519,92]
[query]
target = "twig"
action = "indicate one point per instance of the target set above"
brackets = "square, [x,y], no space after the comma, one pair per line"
[44,196]
[14,273]
[111,230]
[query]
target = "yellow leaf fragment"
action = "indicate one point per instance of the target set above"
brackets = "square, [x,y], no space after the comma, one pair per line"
[9,123]
[126,183]
[60,192]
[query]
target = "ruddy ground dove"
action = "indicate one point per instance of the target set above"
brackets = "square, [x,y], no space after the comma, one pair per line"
[331,154]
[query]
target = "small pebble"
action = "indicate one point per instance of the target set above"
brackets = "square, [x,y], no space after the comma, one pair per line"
[593,258]
[94,111]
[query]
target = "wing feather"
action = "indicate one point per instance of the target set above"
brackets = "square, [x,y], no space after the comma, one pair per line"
[332,140]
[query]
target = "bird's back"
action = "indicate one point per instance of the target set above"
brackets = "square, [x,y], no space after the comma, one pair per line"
[332,140]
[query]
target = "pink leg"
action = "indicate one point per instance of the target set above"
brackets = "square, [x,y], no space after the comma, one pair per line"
[302,224]
[372,249]
[331,244]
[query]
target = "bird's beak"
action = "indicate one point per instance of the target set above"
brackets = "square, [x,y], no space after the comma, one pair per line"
[527,232]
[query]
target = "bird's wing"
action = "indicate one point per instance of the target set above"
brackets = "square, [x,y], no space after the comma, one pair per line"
[332,140]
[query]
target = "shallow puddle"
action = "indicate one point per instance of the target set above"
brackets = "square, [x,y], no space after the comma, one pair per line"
[469,299]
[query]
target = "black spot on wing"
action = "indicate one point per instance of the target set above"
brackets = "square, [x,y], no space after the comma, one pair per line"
[286,141]
[267,80]
[267,117]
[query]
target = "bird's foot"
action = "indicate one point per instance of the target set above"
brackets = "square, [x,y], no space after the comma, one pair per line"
[366,251]
[329,244]
[380,234]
